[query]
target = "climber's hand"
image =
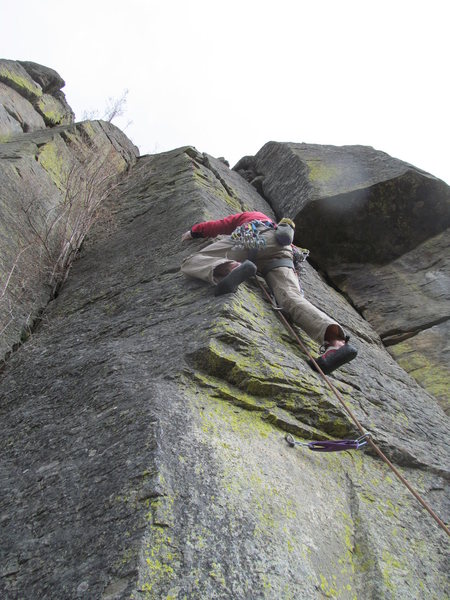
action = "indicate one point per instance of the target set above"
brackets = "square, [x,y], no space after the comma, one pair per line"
[186,236]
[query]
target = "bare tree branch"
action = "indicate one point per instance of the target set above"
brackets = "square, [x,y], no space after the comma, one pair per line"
[54,236]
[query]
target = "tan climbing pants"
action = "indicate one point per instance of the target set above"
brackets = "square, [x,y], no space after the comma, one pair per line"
[283,281]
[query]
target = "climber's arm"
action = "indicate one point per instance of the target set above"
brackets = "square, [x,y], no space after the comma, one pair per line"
[224,226]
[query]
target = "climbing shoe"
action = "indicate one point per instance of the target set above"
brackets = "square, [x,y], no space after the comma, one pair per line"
[333,358]
[231,282]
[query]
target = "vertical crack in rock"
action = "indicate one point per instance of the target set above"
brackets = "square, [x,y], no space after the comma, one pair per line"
[208,164]
[359,549]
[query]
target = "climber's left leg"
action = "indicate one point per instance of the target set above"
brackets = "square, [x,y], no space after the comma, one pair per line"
[214,261]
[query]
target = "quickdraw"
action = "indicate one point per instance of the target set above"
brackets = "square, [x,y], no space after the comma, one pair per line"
[370,441]
[330,445]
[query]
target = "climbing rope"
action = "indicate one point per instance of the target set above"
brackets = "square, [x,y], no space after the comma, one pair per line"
[338,395]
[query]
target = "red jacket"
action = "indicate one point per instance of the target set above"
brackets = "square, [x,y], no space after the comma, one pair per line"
[227,225]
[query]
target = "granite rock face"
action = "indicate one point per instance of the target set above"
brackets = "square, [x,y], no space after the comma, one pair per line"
[17,113]
[50,81]
[146,456]
[425,357]
[378,228]
[30,98]
[53,180]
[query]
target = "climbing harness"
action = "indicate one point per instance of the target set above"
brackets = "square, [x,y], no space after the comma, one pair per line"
[295,263]
[248,236]
[364,435]
[275,263]
[330,445]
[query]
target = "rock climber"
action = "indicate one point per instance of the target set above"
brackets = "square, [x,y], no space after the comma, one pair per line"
[250,242]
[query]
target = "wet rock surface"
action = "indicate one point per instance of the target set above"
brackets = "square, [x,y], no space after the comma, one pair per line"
[145,457]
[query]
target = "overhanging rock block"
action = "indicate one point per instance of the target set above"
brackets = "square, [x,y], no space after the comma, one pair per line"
[371,207]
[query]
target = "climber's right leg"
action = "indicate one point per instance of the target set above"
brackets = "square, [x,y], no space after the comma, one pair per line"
[214,262]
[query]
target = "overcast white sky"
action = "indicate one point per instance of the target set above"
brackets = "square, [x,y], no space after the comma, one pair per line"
[229,76]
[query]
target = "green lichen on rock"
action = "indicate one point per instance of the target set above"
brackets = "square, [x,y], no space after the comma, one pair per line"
[248,486]
[202,390]
[52,111]
[267,383]
[320,172]
[222,389]
[390,565]
[52,159]
[14,75]
[206,179]
[357,561]
[426,367]
[160,560]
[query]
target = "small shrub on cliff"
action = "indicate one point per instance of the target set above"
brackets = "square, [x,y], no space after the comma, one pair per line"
[85,187]
[115,107]
[53,230]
